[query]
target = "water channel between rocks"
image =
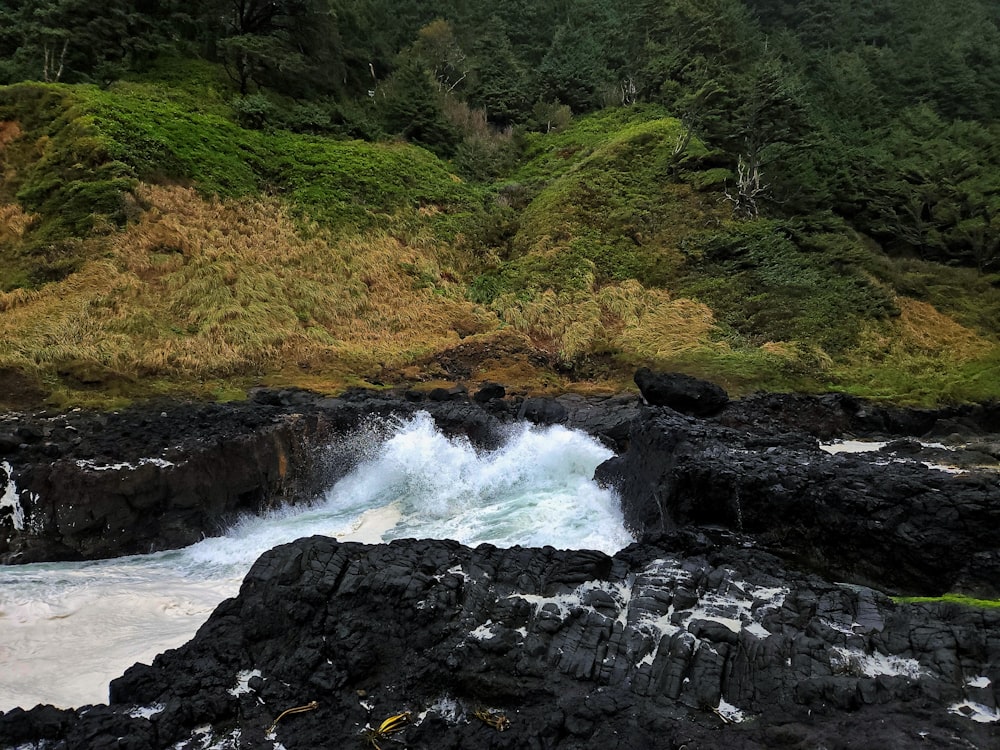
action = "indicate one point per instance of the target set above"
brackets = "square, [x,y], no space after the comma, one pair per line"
[66,629]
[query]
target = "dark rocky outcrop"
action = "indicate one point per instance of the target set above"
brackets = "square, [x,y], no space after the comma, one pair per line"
[720,628]
[882,521]
[684,641]
[681,392]
[489,392]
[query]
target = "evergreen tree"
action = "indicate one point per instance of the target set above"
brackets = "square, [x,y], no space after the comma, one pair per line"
[292,45]
[411,108]
[572,72]
[500,84]
[75,40]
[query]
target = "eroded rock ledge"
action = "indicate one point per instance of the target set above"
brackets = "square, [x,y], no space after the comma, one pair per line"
[893,518]
[85,486]
[687,641]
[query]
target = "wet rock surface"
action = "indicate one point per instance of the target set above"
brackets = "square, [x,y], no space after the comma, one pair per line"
[886,518]
[683,641]
[681,392]
[722,627]
[87,486]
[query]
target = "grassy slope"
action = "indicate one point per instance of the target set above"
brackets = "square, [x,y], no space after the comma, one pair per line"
[622,252]
[151,245]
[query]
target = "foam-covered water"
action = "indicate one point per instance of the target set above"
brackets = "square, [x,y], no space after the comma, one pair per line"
[67,629]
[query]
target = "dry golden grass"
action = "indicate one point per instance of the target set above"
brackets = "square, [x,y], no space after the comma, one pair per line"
[203,288]
[9,131]
[624,318]
[209,291]
[921,357]
[920,331]
[14,221]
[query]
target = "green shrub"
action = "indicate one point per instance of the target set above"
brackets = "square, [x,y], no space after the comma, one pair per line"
[770,283]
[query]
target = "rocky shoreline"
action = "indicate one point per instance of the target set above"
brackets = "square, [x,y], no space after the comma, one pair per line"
[751,613]
[84,486]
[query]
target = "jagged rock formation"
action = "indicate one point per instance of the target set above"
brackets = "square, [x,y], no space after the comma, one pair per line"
[722,627]
[682,642]
[885,522]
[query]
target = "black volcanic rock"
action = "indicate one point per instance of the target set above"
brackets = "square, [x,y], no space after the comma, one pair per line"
[888,523]
[542,411]
[704,635]
[681,392]
[683,641]
[489,392]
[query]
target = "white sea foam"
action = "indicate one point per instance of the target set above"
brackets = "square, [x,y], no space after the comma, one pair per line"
[161,463]
[730,713]
[67,629]
[146,712]
[978,682]
[446,707]
[869,446]
[11,499]
[976,711]
[206,739]
[536,490]
[734,604]
[852,661]
[242,686]
[853,446]
[839,626]
[484,632]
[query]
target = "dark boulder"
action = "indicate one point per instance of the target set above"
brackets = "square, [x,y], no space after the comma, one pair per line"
[544,411]
[681,392]
[9,443]
[455,393]
[489,392]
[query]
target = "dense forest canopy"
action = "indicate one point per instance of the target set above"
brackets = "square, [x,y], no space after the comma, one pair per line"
[884,112]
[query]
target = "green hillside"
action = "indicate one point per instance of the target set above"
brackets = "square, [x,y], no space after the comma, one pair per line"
[549,204]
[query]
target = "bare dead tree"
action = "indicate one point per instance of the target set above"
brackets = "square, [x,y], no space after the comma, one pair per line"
[630,93]
[52,69]
[750,187]
[692,118]
[444,81]
[682,143]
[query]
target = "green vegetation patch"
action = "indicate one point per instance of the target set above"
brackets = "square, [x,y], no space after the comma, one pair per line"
[919,379]
[771,281]
[341,184]
[960,599]
[603,204]
[82,151]
[59,169]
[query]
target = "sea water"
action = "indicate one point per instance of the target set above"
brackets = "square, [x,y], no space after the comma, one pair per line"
[67,629]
